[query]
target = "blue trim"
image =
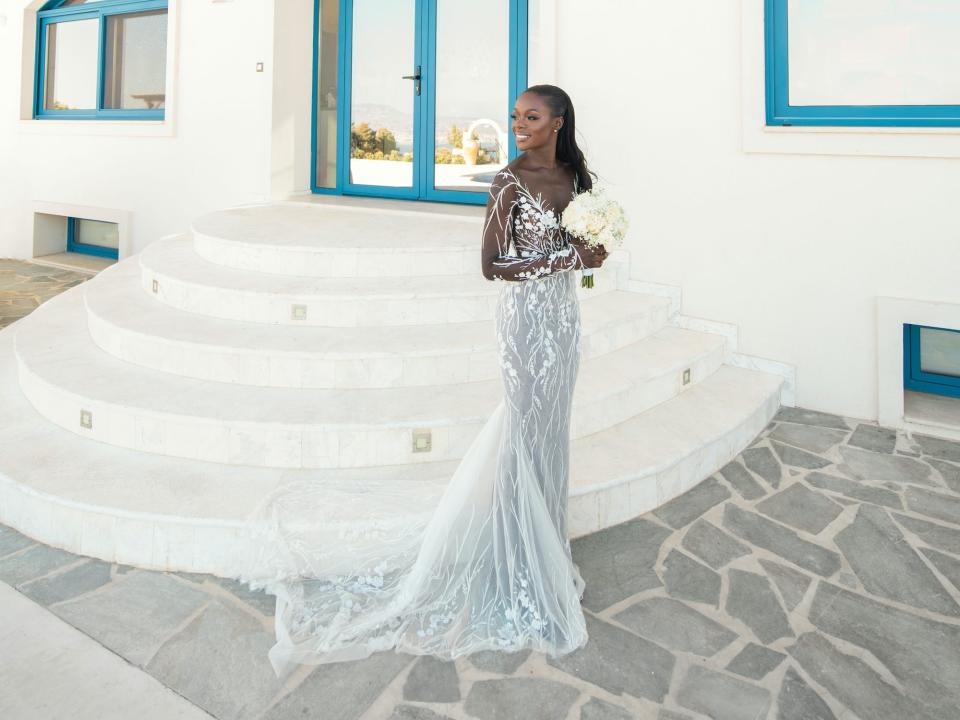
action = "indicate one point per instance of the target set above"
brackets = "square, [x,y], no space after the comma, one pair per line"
[314,108]
[428,138]
[109,4]
[344,65]
[51,14]
[424,118]
[424,47]
[86,249]
[914,378]
[781,112]
[315,75]
[519,51]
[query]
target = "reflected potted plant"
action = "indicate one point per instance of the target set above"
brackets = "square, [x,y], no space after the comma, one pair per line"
[471,148]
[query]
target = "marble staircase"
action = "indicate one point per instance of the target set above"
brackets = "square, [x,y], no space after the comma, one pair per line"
[145,412]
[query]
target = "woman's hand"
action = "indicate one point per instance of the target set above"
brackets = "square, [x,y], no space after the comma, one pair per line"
[591,257]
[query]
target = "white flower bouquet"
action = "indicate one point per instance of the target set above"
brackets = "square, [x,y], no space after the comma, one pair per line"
[595,219]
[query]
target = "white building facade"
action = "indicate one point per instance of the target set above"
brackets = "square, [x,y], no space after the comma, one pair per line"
[811,245]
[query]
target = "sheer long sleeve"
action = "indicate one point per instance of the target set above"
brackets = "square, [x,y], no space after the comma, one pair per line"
[498,236]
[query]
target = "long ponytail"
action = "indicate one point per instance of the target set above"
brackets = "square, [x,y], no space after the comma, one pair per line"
[567,149]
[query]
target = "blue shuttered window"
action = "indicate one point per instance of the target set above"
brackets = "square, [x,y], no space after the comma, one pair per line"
[860,63]
[101,59]
[931,360]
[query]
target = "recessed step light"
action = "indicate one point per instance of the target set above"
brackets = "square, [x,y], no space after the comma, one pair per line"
[421,441]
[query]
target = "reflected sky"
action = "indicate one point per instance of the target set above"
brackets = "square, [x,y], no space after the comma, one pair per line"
[874,52]
[72,64]
[143,53]
[72,57]
[472,54]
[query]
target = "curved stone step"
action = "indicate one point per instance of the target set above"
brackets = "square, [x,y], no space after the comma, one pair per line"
[176,275]
[74,383]
[290,238]
[168,513]
[127,323]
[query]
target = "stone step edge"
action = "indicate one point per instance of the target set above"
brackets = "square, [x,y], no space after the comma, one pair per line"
[230,277]
[656,303]
[612,274]
[220,563]
[100,325]
[711,352]
[206,238]
[467,214]
[177,280]
[621,499]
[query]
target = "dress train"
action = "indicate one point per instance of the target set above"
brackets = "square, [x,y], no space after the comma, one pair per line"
[417,567]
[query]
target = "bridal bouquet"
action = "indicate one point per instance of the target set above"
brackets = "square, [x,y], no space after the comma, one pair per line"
[595,219]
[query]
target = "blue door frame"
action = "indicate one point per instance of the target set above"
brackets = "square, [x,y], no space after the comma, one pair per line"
[424,120]
[914,378]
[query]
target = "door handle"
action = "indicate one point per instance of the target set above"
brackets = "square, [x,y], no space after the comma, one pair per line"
[416,80]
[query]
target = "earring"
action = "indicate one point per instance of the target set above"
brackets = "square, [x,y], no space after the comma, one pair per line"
[556,129]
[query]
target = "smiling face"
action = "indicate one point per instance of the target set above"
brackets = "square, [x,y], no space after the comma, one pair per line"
[533,127]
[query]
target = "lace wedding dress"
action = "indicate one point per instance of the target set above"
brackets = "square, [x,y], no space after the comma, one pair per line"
[481,562]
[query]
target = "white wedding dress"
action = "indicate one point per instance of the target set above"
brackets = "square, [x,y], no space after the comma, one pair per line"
[481,562]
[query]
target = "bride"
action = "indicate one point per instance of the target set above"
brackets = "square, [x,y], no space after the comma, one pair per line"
[481,562]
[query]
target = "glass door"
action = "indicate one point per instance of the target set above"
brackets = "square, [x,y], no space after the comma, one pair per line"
[469,96]
[384,91]
[426,87]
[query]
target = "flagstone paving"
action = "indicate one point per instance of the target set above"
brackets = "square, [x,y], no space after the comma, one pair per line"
[814,577]
[812,598]
[24,286]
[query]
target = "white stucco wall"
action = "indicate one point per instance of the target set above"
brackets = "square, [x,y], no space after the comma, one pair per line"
[213,150]
[792,246]
[791,235]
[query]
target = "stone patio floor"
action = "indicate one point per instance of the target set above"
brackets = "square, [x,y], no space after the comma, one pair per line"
[815,576]
[23,286]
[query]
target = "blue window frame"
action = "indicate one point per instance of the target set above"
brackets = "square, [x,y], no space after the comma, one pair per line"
[915,377]
[102,35]
[781,112]
[424,126]
[74,244]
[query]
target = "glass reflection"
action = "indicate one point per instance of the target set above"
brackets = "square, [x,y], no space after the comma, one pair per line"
[863,52]
[940,351]
[382,102]
[97,232]
[70,81]
[472,83]
[326,138]
[136,60]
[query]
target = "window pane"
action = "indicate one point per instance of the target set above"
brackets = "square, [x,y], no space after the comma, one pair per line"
[472,87]
[864,52]
[381,111]
[71,65]
[136,60]
[540,48]
[327,95]
[97,232]
[940,351]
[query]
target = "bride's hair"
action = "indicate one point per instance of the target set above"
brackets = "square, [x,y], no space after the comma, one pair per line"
[567,151]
